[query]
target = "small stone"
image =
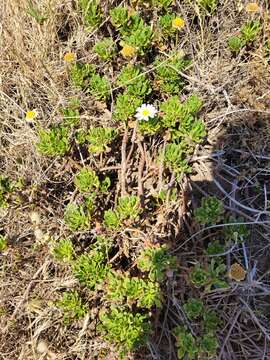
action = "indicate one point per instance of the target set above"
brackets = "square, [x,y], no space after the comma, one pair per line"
[42,347]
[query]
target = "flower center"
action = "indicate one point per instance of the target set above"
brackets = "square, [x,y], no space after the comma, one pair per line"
[145,112]
[30,114]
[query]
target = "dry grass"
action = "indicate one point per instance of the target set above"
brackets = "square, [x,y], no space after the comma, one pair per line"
[235,159]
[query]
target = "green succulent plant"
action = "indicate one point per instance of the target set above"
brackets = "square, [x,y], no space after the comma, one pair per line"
[53,142]
[210,211]
[105,48]
[128,331]
[77,217]
[99,138]
[156,261]
[71,306]
[87,180]
[63,250]
[91,269]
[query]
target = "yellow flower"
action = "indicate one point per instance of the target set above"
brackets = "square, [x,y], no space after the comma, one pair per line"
[31,115]
[69,57]
[178,23]
[128,51]
[252,7]
[237,272]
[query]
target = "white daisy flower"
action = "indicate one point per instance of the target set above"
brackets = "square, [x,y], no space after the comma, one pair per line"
[145,112]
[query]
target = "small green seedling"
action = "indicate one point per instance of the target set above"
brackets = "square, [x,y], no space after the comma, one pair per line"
[63,250]
[210,211]
[99,138]
[91,269]
[128,331]
[54,142]
[87,180]
[76,217]
[126,106]
[72,307]
[35,13]
[156,261]
[91,12]
[3,243]
[105,49]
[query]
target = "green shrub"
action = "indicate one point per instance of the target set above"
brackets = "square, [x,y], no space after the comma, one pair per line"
[167,73]
[126,330]
[99,87]
[211,322]
[111,219]
[209,345]
[210,211]
[186,344]
[76,217]
[119,16]
[123,288]
[165,24]
[172,112]
[87,180]
[212,277]
[208,5]
[91,269]
[99,138]
[71,114]
[194,308]
[250,30]
[215,247]
[72,306]
[128,207]
[54,141]
[6,187]
[236,233]
[138,34]
[191,129]
[175,158]
[156,261]
[126,106]
[105,49]
[149,127]
[199,276]
[162,3]
[134,81]
[236,43]
[63,250]
[81,74]
[91,12]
